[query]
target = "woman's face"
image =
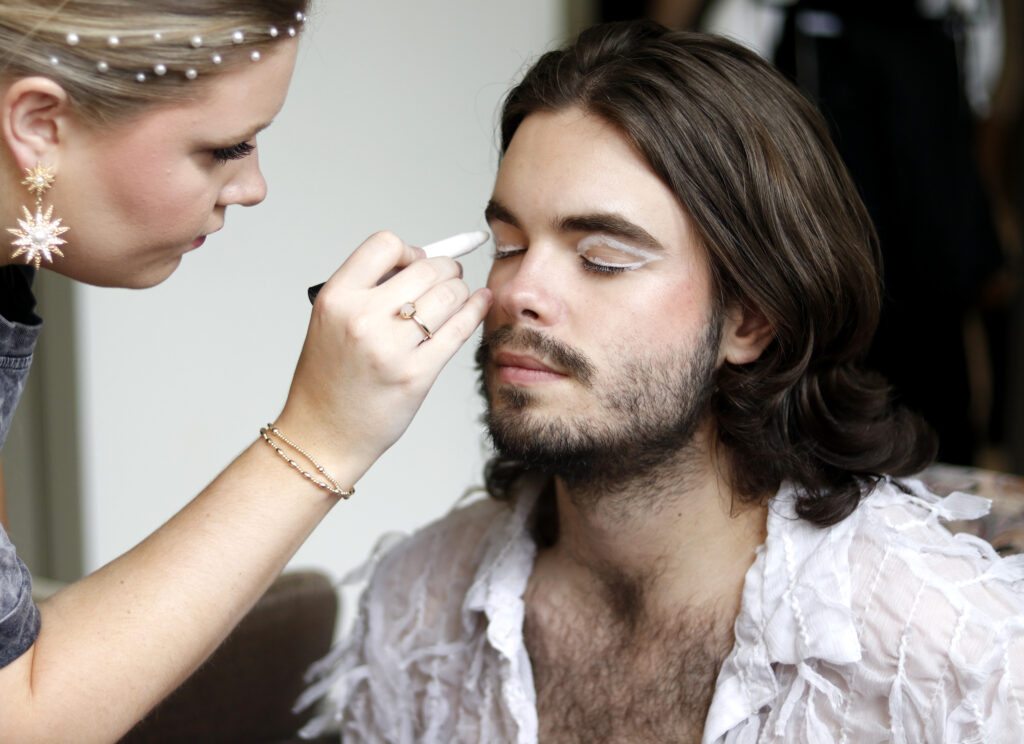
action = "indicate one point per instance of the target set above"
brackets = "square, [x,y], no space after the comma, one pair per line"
[139,195]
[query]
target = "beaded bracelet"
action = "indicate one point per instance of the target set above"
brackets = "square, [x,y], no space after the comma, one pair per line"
[330,485]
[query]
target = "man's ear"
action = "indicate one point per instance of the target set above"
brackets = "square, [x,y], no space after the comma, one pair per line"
[33,111]
[745,335]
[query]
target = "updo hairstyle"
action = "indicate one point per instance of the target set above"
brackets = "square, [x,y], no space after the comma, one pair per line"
[116,58]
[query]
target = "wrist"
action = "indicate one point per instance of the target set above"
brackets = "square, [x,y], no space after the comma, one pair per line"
[290,452]
[332,449]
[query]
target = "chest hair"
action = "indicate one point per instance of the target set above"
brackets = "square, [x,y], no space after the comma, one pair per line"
[602,677]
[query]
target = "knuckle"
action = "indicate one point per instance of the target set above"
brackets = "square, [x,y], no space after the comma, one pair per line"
[450,267]
[329,305]
[447,295]
[358,327]
[406,378]
[378,361]
[421,271]
[387,239]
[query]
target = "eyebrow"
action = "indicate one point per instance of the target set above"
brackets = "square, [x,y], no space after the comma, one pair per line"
[498,212]
[249,134]
[609,223]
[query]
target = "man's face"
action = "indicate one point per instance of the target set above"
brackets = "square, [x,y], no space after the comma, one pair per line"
[599,350]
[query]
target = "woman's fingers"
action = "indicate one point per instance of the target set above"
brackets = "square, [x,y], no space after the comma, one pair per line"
[434,306]
[365,367]
[456,330]
[375,257]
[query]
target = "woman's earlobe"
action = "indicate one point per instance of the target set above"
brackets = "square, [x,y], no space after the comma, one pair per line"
[33,111]
[745,336]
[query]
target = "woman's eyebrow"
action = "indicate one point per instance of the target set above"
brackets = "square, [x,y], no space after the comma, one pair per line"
[250,133]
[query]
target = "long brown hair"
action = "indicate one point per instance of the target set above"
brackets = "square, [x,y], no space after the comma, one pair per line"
[786,235]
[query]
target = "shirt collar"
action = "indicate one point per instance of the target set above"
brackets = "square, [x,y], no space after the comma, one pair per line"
[796,606]
[507,555]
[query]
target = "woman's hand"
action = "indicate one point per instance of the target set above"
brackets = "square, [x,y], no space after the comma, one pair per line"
[364,369]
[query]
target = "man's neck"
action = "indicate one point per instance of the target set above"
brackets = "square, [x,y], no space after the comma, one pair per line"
[679,539]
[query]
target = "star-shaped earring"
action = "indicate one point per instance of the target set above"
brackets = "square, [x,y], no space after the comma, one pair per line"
[38,236]
[38,179]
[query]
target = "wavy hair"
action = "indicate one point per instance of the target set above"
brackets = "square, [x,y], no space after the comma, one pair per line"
[786,235]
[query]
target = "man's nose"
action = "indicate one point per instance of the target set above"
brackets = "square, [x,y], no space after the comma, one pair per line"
[533,291]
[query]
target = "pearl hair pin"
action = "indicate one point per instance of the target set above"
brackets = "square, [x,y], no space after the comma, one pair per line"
[237,37]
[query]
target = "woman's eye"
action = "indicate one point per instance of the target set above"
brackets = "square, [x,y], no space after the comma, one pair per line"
[235,152]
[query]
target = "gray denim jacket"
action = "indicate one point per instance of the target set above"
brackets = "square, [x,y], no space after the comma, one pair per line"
[19,616]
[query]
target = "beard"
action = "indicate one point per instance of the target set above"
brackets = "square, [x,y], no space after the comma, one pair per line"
[652,408]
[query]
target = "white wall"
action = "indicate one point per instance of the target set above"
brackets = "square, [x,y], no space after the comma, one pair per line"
[390,123]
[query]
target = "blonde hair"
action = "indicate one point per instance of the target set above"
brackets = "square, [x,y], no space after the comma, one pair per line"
[116,58]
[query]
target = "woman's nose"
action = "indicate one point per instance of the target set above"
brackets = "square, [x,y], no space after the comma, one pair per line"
[247,187]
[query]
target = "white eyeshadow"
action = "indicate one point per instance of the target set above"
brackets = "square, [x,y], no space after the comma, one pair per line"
[644,257]
[501,249]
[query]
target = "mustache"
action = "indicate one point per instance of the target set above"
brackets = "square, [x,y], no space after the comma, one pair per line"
[571,361]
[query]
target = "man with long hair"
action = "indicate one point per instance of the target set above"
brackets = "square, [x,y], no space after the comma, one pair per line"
[701,526]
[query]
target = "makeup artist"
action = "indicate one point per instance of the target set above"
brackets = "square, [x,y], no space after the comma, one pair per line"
[128,128]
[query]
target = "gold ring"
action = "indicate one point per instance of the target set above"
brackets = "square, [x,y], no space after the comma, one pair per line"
[408,312]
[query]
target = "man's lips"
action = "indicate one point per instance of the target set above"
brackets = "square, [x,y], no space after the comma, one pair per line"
[523,368]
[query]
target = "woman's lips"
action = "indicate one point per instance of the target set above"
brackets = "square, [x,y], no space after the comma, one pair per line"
[198,242]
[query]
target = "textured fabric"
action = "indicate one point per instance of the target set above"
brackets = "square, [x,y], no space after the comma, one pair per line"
[19,617]
[884,627]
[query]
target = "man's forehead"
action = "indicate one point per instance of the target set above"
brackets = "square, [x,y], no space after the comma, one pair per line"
[580,162]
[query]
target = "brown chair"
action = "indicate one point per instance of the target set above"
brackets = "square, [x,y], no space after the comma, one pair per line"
[245,691]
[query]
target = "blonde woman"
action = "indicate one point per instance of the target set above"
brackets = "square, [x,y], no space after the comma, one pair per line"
[128,128]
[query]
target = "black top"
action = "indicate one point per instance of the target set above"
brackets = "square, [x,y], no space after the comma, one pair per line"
[17,303]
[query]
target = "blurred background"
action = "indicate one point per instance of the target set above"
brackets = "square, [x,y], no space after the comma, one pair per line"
[924,101]
[390,123]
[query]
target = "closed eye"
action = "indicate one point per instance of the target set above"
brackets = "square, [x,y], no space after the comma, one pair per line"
[607,255]
[503,250]
[234,152]
[601,268]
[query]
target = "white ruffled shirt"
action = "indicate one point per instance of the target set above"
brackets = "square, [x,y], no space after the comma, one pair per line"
[884,627]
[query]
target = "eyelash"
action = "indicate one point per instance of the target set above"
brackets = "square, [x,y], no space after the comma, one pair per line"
[235,152]
[601,268]
[595,268]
